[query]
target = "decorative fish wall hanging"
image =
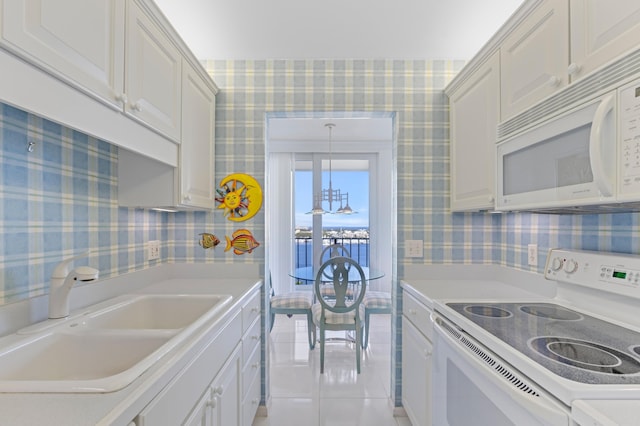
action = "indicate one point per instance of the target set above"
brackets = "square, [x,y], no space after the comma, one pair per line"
[208,241]
[242,241]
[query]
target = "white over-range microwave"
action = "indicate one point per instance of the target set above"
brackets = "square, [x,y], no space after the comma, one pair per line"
[583,159]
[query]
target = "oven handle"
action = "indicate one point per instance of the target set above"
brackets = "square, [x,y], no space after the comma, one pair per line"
[550,414]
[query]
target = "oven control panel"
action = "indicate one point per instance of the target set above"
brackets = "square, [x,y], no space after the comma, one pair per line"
[612,272]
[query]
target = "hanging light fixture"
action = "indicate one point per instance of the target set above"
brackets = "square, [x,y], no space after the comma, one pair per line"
[329,194]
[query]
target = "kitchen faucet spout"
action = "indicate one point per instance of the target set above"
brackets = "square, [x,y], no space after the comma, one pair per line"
[61,282]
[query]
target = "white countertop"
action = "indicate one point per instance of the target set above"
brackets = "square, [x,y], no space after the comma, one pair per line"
[475,282]
[121,406]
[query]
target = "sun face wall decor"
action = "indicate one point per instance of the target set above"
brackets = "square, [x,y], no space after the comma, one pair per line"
[240,197]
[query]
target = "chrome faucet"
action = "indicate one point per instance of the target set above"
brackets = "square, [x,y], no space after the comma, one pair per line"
[61,282]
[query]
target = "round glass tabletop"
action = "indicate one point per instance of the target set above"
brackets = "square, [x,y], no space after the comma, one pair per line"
[308,273]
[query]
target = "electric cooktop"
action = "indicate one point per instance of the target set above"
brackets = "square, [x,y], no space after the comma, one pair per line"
[570,344]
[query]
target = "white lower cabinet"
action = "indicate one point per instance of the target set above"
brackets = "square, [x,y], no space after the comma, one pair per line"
[416,361]
[251,360]
[176,401]
[220,404]
[221,384]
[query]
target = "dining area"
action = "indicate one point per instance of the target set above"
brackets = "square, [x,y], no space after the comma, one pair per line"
[338,392]
[338,301]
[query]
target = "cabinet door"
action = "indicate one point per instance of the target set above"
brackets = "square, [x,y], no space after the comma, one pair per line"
[201,414]
[601,31]
[226,393]
[198,140]
[474,114]
[416,374]
[153,81]
[87,52]
[534,58]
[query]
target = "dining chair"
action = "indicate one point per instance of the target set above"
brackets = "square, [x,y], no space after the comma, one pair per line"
[344,310]
[334,250]
[292,303]
[375,302]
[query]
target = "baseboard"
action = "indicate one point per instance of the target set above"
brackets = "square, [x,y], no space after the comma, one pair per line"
[263,410]
[399,412]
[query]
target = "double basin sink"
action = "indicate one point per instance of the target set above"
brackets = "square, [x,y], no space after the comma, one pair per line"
[102,350]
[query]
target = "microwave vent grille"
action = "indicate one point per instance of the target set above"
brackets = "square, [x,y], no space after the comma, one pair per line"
[584,89]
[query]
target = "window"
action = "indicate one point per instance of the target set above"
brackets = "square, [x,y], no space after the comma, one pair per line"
[314,232]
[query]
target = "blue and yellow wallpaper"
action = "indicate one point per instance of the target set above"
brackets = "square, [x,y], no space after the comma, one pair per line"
[61,198]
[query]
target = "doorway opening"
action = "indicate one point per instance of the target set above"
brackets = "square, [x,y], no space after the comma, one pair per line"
[364,150]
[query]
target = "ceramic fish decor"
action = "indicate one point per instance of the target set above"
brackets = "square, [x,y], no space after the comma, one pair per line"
[208,240]
[242,242]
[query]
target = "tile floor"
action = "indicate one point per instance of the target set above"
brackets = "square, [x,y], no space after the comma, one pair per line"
[300,395]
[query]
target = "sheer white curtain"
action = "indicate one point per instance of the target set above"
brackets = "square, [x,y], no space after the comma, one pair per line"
[280,220]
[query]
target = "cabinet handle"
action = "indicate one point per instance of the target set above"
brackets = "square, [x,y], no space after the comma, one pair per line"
[554,81]
[187,197]
[136,107]
[219,390]
[574,68]
[255,365]
[122,98]
[255,337]
[254,401]
[211,403]
[427,353]
[254,309]
[413,311]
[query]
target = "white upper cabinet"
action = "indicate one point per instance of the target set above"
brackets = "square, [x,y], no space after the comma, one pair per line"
[198,134]
[116,70]
[153,82]
[122,53]
[474,114]
[88,52]
[600,32]
[534,57]
[143,182]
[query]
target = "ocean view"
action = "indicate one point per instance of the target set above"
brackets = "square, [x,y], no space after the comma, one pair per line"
[356,240]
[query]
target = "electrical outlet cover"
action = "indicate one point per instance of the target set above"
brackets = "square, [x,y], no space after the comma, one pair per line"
[532,254]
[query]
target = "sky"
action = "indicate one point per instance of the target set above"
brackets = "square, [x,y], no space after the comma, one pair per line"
[356,183]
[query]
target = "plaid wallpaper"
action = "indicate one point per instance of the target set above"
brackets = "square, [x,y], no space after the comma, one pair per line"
[61,198]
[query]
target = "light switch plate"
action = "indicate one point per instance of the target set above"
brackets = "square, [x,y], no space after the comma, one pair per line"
[414,248]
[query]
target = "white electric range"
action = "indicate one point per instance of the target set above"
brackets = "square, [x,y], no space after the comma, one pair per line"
[527,362]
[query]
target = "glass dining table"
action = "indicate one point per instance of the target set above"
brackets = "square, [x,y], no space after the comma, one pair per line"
[308,273]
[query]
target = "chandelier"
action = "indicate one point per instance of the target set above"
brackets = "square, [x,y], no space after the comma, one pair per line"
[329,194]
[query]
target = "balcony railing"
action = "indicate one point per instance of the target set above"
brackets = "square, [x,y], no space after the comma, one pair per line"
[358,248]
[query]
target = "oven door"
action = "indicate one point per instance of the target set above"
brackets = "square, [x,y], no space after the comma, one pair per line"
[471,386]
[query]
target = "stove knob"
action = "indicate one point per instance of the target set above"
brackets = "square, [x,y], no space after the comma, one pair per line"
[556,264]
[570,266]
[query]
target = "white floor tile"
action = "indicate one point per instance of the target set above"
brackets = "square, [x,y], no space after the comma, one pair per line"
[355,412]
[300,395]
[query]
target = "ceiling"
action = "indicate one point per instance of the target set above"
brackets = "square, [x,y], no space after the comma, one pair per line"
[337,29]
